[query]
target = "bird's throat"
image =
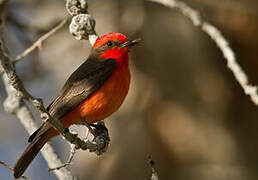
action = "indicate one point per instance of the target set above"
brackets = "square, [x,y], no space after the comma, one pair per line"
[119,54]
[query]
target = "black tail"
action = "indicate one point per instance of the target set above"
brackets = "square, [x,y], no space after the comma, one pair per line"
[28,155]
[37,141]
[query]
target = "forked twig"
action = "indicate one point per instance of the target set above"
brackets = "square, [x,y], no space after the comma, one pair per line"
[38,43]
[9,167]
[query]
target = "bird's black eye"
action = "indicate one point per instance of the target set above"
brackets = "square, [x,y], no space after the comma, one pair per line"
[109,43]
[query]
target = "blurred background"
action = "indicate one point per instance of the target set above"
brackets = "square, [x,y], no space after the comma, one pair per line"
[184,107]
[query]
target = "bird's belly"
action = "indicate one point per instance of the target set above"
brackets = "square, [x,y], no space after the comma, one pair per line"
[102,103]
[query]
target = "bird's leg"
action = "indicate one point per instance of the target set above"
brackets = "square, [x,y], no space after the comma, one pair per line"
[100,133]
[96,129]
[89,126]
[87,133]
[101,128]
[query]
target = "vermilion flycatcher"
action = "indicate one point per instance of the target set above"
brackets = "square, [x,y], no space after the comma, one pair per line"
[93,92]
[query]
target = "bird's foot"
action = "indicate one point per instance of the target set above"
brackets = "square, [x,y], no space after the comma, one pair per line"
[101,136]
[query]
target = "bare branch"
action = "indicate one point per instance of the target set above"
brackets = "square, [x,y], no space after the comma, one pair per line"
[9,167]
[232,64]
[14,104]
[68,162]
[220,41]
[38,43]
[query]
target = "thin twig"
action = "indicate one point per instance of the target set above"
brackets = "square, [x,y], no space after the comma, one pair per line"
[9,167]
[14,104]
[220,41]
[99,131]
[38,43]
[68,162]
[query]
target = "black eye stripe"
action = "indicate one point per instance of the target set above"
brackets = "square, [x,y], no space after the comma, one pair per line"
[109,43]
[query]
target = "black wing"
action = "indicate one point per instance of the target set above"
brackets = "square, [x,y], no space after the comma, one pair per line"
[89,77]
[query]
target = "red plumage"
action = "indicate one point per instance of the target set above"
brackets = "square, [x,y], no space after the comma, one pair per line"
[93,92]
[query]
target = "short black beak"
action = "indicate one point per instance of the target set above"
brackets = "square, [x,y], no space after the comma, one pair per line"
[131,43]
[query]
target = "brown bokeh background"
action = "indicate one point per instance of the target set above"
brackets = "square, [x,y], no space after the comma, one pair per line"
[184,107]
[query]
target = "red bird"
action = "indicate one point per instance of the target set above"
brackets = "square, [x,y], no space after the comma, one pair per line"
[92,93]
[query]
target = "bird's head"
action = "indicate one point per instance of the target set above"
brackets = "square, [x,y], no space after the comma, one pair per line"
[113,45]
